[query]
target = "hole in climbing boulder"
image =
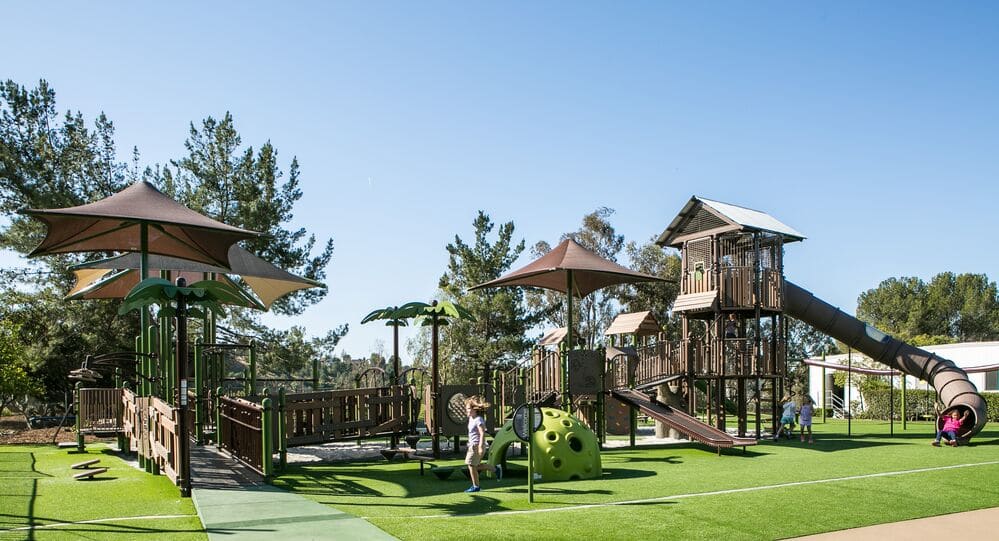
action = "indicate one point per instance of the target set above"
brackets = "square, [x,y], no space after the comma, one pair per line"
[575,444]
[566,423]
[557,463]
[551,435]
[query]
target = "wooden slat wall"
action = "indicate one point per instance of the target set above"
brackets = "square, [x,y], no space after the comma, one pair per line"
[346,414]
[100,410]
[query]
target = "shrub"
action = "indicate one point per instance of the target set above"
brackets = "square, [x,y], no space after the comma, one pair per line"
[918,403]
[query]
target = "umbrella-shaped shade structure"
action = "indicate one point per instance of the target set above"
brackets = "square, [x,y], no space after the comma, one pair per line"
[138,219]
[114,277]
[574,270]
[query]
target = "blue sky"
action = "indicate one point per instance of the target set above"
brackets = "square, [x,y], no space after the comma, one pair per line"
[871,128]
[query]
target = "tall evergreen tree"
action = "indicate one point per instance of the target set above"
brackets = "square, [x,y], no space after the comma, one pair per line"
[245,188]
[498,334]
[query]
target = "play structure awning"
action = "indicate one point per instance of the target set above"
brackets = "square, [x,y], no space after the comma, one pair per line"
[640,323]
[96,279]
[553,337]
[702,217]
[590,272]
[696,301]
[114,224]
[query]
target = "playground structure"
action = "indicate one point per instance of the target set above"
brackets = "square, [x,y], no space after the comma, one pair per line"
[729,361]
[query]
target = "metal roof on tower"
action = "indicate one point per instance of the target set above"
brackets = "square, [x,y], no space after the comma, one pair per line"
[701,217]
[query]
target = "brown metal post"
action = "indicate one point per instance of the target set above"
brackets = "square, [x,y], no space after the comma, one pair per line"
[184,458]
[435,381]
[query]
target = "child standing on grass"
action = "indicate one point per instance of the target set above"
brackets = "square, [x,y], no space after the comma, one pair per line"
[951,424]
[786,418]
[805,418]
[476,443]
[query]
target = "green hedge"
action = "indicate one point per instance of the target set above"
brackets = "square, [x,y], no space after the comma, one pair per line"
[918,403]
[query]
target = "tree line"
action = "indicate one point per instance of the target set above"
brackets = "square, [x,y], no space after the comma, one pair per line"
[50,159]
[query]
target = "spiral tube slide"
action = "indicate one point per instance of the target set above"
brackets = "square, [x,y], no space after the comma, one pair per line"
[952,384]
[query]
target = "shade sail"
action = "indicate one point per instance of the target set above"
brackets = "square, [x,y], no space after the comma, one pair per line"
[590,272]
[114,277]
[114,224]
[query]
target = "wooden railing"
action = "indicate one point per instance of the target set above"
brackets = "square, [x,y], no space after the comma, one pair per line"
[164,443]
[619,371]
[100,410]
[241,431]
[130,423]
[511,391]
[739,291]
[545,374]
[326,416]
[658,361]
[696,282]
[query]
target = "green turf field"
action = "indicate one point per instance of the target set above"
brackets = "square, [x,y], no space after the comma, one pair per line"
[774,490]
[37,490]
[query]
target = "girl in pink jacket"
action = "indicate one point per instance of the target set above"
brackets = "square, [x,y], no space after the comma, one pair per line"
[951,424]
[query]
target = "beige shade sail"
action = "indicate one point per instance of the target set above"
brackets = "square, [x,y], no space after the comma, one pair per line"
[114,277]
[114,224]
[590,272]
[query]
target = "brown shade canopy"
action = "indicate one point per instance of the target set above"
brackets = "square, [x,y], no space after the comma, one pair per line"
[113,224]
[268,282]
[590,272]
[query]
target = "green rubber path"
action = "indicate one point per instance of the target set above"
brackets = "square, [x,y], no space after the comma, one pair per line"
[235,504]
[264,512]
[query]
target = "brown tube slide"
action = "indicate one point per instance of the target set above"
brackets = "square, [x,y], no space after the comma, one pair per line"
[952,384]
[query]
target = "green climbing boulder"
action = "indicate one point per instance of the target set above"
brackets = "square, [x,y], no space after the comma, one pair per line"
[564,448]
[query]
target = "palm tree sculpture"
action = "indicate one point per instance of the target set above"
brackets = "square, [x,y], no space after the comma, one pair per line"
[434,315]
[395,322]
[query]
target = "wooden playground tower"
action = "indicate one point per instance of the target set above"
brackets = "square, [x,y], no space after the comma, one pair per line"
[733,348]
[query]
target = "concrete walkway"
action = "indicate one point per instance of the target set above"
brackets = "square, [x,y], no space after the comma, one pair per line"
[234,503]
[981,524]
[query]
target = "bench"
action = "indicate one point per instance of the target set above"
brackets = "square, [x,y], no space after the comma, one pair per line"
[89,474]
[407,453]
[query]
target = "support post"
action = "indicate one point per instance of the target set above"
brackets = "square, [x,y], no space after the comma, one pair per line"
[903,401]
[267,458]
[199,404]
[282,437]
[218,416]
[180,389]
[315,375]
[80,447]
[251,389]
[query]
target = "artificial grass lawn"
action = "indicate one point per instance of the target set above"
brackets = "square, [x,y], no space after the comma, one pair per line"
[37,488]
[683,484]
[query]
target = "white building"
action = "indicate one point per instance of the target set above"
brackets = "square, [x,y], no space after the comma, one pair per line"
[980,359]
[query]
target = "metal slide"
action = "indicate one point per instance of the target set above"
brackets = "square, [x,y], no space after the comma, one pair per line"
[682,422]
[952,384]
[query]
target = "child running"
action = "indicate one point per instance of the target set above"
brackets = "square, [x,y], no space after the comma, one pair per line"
[476,443]
[805,418]
[951,424]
